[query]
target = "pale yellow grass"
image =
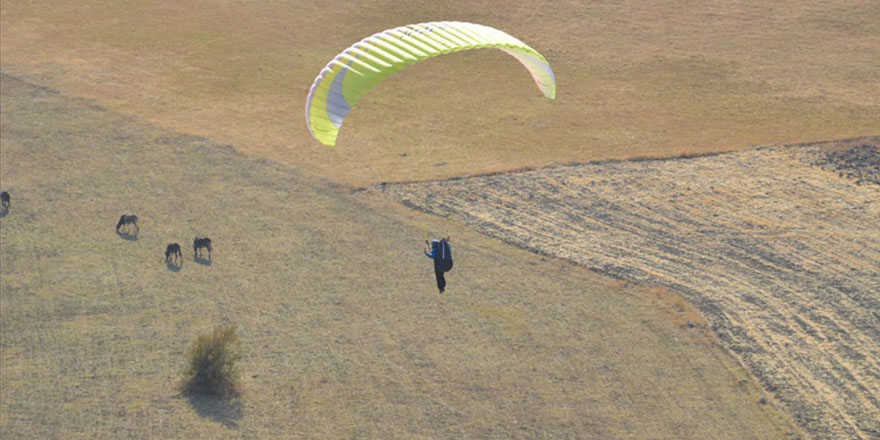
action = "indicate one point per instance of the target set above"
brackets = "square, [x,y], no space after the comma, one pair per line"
[635,77]
[344,334]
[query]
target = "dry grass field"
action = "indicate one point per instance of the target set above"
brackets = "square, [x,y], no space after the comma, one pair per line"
[636,77]
[190,114]
[340,342]
[781,255]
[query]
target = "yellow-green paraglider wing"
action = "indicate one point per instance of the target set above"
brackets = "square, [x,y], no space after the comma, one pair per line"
[365,64]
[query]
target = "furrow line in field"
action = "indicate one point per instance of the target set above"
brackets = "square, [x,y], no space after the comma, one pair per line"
[783,257]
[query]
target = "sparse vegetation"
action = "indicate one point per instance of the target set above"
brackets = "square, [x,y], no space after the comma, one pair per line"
[95,329]
[212,363]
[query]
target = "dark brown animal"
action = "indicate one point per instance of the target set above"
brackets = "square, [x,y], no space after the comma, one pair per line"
[5,199]
[127,222]
[173,253]
[199,244]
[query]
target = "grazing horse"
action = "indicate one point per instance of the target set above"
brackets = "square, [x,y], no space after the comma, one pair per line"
[128,220]
[199,244]
[173,253]
[4,199]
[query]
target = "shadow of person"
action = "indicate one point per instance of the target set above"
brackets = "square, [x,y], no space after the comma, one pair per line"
[225,411]
[203,261]
[172,266]
[127,236]
[4,211]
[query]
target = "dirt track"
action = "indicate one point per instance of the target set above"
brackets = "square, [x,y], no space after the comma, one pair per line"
[778,246]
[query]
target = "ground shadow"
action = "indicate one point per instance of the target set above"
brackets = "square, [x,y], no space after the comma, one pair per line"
[127,236]
[203,261]
[4,211]
[225,411]
[172,266]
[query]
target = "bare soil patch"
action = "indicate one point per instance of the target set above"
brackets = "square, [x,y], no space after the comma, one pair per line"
[781,255]
[860,162]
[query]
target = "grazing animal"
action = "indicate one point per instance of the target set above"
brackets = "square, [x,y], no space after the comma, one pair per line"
[173,253]
[199,244]
[128,221]
[4,199]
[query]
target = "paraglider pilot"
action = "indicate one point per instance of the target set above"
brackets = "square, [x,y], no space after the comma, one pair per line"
[441,253]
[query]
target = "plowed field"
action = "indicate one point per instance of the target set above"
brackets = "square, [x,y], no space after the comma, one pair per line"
[778,246]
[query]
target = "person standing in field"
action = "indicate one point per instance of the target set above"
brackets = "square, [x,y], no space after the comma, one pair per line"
[441,253]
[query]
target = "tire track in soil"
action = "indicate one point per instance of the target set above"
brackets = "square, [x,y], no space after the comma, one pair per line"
[778,246]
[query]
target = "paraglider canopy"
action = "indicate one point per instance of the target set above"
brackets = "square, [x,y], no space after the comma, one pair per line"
[349,75]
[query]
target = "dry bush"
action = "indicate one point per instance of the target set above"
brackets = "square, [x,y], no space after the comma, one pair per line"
[213,363]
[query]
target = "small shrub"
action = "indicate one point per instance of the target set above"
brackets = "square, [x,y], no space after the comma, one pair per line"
[213,363]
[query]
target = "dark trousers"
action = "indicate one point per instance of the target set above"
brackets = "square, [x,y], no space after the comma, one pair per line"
[439,269]
[441,280]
